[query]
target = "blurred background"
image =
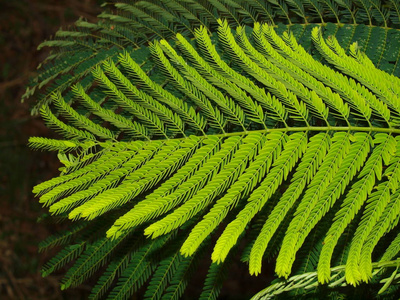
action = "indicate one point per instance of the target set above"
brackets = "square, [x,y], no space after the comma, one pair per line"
[24,24]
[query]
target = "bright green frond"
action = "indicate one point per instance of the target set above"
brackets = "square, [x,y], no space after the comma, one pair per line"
[81,182]
[337,152]
[154,204]
[195,87]
[364,74]
[79,120]
[66,130]
[393,249]
[134,130]
[351,164]
[226,165]
[376,202]
[292,152]
[146,116]
[108,181]
[297,109]
[40,143]
[216,186]
[154,90]
[167,160]
[239,190]
[184,122]
[313,157]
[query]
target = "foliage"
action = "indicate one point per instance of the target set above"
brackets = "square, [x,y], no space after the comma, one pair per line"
[182,117]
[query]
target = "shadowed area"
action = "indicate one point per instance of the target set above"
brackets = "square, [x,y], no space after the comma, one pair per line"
[24,24]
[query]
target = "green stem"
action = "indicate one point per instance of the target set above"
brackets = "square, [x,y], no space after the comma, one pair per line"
[309,128]
[315,128]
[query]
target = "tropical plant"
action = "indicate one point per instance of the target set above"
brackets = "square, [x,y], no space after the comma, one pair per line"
[195,125]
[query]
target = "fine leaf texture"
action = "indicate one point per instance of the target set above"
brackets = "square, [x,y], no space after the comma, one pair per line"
[188,126]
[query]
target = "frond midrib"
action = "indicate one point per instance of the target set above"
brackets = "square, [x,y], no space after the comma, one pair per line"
[309,128]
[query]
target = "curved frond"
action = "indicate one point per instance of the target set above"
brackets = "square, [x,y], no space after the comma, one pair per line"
[192,122]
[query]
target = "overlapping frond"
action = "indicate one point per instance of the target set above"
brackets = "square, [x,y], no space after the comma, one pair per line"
[81,49]
[296,130]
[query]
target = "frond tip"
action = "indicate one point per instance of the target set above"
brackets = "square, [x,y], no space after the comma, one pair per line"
[39,143]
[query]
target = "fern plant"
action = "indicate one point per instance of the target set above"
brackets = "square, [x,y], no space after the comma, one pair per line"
[274,123]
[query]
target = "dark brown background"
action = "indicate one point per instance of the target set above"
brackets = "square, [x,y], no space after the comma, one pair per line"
[24,24]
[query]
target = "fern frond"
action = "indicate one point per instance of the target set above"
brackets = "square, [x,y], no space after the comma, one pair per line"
[66,255]
[40,143]
[313,157]
[105,281]
[137,271]
[92,259]
[61,238]
[101,158]
[179,280]
[214,280]
[196,89]
[337,152]
[359,72]
[358,97]
[217,185]
[142,17]
[155,204]
[150,119]
[186,11]
[134,24]
[265,99]
[167,160]
[143,99]
[239,190]
[187,113]
[66,130]
[304,61]
[228,167]
[155,90]
[162,276]
[110,180]
[293,150]
[386,220]
[298,110]
[392,250]
[353,202]
[227,105]
[315,103]
[80,182]
[285,135]
[84,62]
[135,130]
[383,224]
[251,109]
[79,120]
[375,204]
[309,280]
[356,156]
[299,8]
